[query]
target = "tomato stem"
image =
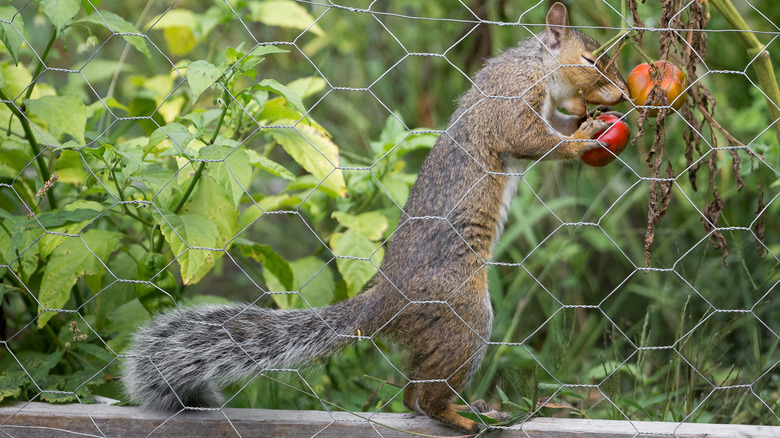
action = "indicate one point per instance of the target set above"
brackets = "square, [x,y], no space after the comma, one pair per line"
[642,53]
[619,35]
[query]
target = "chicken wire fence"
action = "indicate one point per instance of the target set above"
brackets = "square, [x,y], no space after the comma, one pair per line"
[165,154]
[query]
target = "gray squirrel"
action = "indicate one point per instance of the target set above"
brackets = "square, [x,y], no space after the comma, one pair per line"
[430,297]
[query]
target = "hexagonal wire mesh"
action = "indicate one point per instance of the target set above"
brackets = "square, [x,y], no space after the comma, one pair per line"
[262,151]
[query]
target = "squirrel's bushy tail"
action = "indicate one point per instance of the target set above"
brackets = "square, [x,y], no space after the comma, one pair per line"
[184,357]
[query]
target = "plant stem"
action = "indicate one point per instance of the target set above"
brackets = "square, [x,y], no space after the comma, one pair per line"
[642,52]
[30,136]
[619,35]
[610,42]
[225,97]
[39,68]
[198,173]
[756,50]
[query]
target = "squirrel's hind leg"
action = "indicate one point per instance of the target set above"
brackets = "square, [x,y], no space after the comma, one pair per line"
[433,400]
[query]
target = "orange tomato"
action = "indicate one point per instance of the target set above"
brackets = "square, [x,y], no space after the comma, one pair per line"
[643,78]
[615,138]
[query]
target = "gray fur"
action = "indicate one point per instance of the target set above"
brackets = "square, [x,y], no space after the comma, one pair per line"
[183,358]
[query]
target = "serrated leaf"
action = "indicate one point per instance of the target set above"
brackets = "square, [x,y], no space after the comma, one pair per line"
[269,165]
[270,260]
[203,74]
[11,383]
[314,151]
[11,32]
[117,24]
[60,12]
[284,13]
[356,273]
[70,261]
[63,114]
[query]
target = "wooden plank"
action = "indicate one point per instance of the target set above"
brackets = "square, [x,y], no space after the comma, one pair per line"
[34,420]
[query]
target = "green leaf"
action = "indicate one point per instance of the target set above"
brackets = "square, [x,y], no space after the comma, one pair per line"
[397,185]
[71,219]
[202,74]
[307,86]
[12,161]
[314,151]
[124,320]
[310,276]
[46,365]
[270,260]
[287,93]
[234,173]
[63,114]
[183,231]
[284,13]
[269,165]
[16,78]
[209,220]
[117,24]
[160,289]
[179,30]
[69,167]
[11,33]
[356,273]
[211,200]
[266,50]
[372,224]
[11,383]
[70,261]
[60,12]
[177,133]
[97,351]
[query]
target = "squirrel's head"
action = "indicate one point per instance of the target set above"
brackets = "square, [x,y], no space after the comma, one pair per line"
[581,78]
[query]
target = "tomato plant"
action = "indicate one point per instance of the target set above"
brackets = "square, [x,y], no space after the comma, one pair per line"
[614,138]
[673,83]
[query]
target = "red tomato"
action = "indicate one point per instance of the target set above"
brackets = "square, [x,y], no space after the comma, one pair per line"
[615,138]
[673,83]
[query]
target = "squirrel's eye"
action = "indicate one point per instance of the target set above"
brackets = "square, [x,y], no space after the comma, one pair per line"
[589,59]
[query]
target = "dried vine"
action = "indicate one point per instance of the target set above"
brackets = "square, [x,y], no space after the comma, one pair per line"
[691,49]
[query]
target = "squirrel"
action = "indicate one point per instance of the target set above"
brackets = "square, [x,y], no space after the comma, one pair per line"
[430,296]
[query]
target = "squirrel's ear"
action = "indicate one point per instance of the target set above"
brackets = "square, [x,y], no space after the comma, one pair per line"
[557,26]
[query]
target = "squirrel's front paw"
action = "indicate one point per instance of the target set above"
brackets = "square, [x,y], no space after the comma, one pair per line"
[590,127]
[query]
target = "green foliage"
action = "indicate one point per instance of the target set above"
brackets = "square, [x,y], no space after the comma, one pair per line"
[137,215]
[237,185]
